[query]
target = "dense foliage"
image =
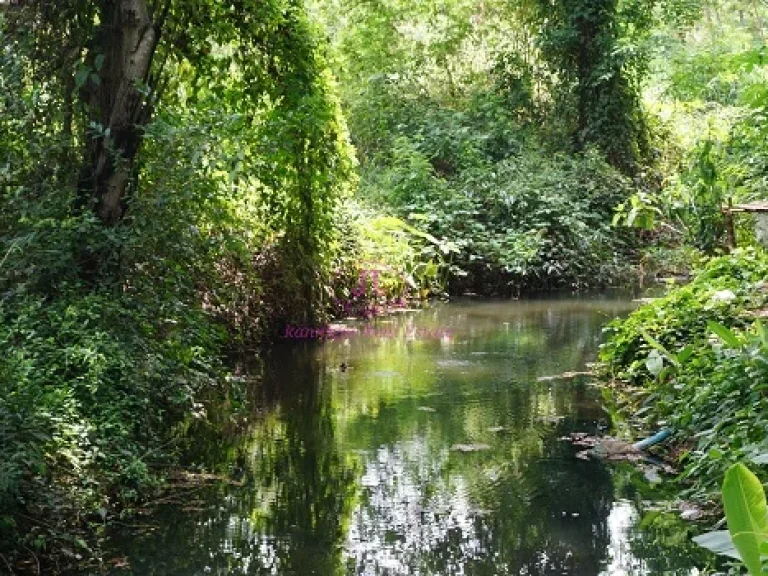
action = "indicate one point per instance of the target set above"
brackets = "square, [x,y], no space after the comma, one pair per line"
[527,222]
[595,48]
[113,319]
[697,360]
[707,94]
[469,125]
[180,178]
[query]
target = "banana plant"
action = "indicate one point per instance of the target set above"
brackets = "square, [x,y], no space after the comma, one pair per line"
[747,515]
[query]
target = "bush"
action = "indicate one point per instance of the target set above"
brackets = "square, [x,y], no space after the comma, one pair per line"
[681,317]
[90,385]
[113,335]
[529,222]
[713,390]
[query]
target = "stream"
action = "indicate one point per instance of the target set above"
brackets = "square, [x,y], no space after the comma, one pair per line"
[406,450]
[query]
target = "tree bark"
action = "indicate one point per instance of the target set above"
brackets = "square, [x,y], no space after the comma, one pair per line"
[121,59]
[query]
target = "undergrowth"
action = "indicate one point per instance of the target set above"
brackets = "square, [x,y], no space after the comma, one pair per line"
[697,360]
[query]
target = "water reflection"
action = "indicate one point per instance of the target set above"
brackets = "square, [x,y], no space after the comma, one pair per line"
[393,455]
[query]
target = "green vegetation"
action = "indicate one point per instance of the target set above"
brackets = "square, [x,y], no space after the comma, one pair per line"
[135,250]
[468,124]
[707,98]
[697,360]
[181,179]
[747,515]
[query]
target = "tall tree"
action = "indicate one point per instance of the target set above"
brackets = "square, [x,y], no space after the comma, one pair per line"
[118,97]
[593,47]
[111,63]
[122,55]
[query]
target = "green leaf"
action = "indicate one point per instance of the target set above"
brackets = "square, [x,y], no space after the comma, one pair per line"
[761,332]
[81,77]
[631,216]
[655,363]
[685,353]
[715,454]
[656,344]
[726,335]
[746,513]
[719,542]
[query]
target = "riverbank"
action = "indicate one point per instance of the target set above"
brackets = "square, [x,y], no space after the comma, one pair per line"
[696,360]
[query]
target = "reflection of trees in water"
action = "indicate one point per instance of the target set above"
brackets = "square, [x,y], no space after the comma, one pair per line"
[291,514]
[313,483]
[525,506]
[661,542]
[439,512]
[426,509]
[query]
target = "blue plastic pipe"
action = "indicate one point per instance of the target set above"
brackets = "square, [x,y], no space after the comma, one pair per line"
[657,438]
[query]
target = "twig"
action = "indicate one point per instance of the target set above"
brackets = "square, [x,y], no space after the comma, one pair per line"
[672,228]
[10,569]
[37,561]
[40,522]
[13,247]
[135,526]
[170,497]
[156,448]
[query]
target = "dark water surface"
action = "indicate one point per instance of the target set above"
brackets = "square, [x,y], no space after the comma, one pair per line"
[428,455]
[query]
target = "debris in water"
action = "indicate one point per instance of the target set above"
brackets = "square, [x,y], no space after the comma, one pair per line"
[426,409]
[563,376]
[691,515]
[652,475]
[605,448]
[120,563]
[550,419]
[691,512]
[470,447]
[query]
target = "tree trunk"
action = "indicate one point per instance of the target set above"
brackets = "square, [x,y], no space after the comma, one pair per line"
[121,59]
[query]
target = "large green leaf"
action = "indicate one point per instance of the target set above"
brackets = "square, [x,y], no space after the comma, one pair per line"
[726,335]
[719,542]
[747,514]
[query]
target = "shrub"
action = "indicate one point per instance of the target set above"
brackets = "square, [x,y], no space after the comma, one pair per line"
[702,361]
